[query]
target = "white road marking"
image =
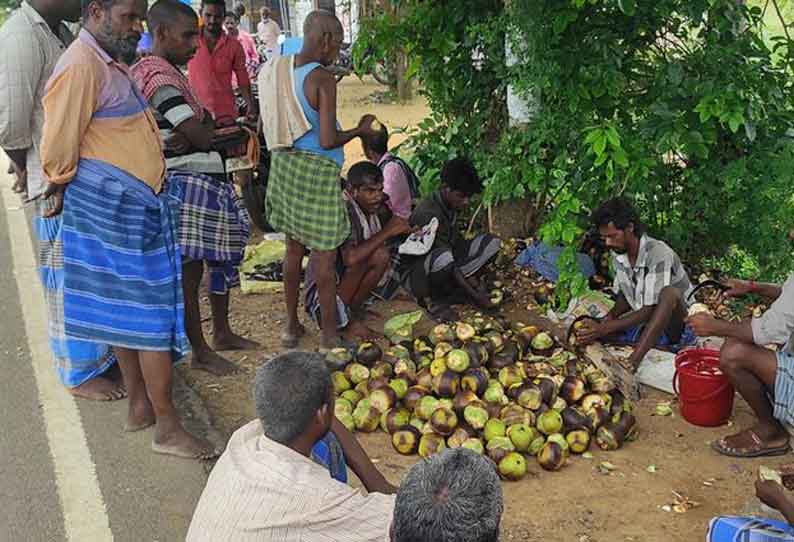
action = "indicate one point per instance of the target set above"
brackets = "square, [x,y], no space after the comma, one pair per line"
[84,512]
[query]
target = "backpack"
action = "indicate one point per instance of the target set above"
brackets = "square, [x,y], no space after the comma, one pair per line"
[413,180]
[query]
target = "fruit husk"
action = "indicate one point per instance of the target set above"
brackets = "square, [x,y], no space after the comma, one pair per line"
[446,384]
[431,444]
[406,440]
[559,438]
[536,445]
[493,409]
[513,467]
[417,423]
[383,398]
[442,349]
[347,421]
[459,436]
[422,344]
[578,441]
[510,375]
[498,448]
[368,353]
[375,383]
[405,368]
[425,407]
[464,332]
[363,388]
[351,395]
[476,416]
[395,353]
[559,404]
[458,360]
[550,422]
[356,372]
[400,387]
[591,401]
[612,435]
[494,428]
[574,419]
[495,395]
[602,385]
[475,380]
[424,378]
[515,414]
[342,406]
[573,389]
[413,396]
[340,382]
[438,366]
[474,444]
[441,333]
[394,419]
[422,359]
[463,399]
[551,457]
[497,297]
[444,421]
[366,418]
[381,370]
[598,416]
[521,435]
[337,358]
[619,403]
[548,389]
[530,396]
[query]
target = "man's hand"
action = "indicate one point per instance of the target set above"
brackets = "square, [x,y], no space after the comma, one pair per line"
[704,325]
[771,494]
[590,332]
[177,143]
[398,226]
[54,191]
[21,183]
[365,125]
[737,288]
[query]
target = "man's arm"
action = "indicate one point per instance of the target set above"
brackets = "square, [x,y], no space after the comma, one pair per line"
[357,254]
[705,325]
[330,136]
[243,81]
[357,459]
[171,104]
[620,308]
[739,288]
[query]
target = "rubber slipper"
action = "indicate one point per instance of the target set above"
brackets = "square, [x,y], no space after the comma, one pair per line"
[757,450]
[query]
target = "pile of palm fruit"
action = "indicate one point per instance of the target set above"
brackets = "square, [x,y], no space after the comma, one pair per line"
[500,389]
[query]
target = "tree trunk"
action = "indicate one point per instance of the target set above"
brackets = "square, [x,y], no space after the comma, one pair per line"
[404,88]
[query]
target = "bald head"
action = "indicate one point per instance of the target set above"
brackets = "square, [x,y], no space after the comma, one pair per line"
[322,22]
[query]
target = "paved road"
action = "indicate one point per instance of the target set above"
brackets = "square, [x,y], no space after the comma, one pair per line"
[67,471]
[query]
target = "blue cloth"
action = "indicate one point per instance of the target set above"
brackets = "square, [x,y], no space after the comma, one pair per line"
[784,388]
[122,264]
[632,336]
[747,529]
[328,453]
[145,44]
[291,46]
[76,361]
[543,259]
[310,141]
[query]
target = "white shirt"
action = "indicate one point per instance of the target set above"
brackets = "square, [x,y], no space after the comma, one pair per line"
[29,50]
[262,491]
[268,31]
[776,325]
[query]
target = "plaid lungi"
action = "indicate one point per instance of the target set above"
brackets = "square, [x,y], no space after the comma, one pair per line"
[304,200]
[214,226]
[76,361]
[121,261]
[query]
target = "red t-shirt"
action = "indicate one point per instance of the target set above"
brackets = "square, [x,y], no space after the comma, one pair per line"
[210,75]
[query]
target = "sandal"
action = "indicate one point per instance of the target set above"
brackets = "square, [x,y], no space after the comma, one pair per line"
[758,449]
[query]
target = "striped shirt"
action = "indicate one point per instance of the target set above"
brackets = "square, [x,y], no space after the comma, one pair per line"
[657,267]
[93,109]
[29,50]
[261,491]
[776,325]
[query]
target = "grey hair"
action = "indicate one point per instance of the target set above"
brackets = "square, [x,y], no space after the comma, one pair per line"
[106,4]
[455,496]
[288,392]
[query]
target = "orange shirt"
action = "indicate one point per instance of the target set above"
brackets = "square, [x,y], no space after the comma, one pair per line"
[93,109]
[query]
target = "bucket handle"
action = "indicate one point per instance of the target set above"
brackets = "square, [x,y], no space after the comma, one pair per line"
[707,397]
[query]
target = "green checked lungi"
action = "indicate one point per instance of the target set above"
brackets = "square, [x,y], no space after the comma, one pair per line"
[304,200]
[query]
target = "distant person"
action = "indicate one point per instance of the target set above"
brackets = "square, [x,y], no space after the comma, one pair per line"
[270,484]
[363,263]
[450,272]
[217,58]
[763,377]
[455,496]
[297,100]
[268,32]
[651,284]
[32,41]
[399,181]
[242,15]
[233,28]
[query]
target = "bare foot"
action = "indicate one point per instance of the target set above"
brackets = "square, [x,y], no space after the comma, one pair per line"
[212,363]
[100,389]
[231,341]
[291,335]
[357,330]
[180,443]
[139,417]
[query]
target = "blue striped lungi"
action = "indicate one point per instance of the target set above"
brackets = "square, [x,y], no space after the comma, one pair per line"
[784,388]
[121,261]
[76,361]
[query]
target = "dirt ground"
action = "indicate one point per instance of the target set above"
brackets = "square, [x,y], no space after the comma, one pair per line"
[581,503]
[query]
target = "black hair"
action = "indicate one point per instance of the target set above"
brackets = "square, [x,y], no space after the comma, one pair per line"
[459,174]
[620,212]
[233,15]
[164,12]
[364,173]
[220,3]
[378,141]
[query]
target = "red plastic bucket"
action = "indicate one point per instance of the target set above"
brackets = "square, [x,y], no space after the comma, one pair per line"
[704,392]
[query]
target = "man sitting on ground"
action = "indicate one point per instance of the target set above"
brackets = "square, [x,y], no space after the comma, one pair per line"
[399,182]
[455,496]
[650,282]
[363,262]
[763,377]
[451,267]
[214,225]
[266,486]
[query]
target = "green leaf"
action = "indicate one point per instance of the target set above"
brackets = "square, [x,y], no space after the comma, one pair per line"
[620,158]
[613,137]
[600,144]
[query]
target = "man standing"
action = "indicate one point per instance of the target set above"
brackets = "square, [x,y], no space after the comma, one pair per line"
[304,197]
[764,378]
[101,152]
[268,32]
[217,58]
[214,225]
[650,281]
[31,41]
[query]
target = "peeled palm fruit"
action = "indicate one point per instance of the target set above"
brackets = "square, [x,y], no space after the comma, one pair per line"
[366,417]
[426,406]
[551,456]
[476,416]
[340,381]
[513,466]
[474,444]
[356,372]
[444,421]
[458,360]
[521,436]
[431,444]
[406,440]
[494,428]
[550,422]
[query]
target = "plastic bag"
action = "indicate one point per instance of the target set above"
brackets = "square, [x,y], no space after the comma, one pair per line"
[400,328]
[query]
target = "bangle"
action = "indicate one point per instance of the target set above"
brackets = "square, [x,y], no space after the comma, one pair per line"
[753,287]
